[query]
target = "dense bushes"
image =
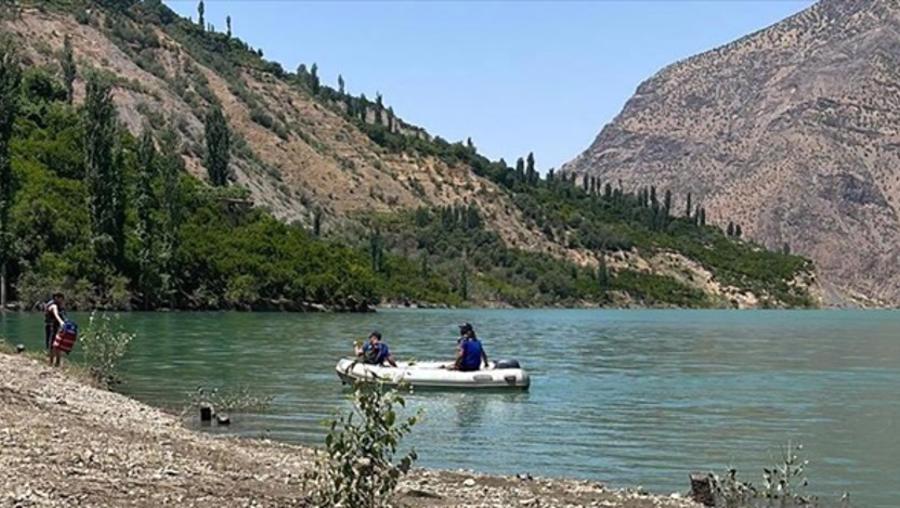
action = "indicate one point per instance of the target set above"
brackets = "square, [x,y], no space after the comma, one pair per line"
[226,254]
[453,242]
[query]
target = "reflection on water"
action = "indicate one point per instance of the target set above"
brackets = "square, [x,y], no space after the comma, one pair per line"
[626,397]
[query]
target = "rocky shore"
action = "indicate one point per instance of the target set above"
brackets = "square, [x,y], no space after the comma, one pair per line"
[64,443]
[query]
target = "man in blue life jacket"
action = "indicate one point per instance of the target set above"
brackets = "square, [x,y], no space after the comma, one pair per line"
[375,352]
[470,354]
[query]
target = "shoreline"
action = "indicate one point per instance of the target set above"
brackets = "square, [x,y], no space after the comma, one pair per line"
[65,443]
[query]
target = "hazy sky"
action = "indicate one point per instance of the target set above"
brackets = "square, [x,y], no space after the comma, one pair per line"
[515,76]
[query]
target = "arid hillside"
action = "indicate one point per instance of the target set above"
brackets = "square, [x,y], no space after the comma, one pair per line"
[792,132]
[293,153]
[316,156]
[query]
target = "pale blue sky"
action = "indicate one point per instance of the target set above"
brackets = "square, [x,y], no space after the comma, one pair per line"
[515,76]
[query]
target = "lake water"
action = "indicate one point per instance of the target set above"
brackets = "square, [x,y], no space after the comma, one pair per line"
[624,397]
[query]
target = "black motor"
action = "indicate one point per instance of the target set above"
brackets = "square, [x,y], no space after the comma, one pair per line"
[507,364]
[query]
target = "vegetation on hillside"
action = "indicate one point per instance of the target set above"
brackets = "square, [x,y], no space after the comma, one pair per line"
[118,222]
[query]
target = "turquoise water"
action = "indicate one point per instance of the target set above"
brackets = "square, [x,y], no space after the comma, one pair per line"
[624,397]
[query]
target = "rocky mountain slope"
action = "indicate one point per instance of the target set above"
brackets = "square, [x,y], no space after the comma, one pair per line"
[303,149]
[792,132]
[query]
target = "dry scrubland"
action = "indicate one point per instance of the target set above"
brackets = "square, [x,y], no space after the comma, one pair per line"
[64,443]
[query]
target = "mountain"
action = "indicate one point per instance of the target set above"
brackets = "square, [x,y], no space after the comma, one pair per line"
[793,132]
[437,221]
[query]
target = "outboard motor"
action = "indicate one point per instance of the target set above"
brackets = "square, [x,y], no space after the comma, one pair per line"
[507,364]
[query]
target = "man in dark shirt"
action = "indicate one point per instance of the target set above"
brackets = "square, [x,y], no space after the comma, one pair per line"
[375,351]
[470,355]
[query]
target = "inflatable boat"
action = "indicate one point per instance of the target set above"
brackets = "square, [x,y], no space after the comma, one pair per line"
[502,374]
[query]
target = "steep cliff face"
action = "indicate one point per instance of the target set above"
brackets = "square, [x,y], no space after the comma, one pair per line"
[792,132]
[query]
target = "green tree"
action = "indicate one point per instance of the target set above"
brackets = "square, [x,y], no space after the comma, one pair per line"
[424,271]
[228,26]
[103,173]
[603,279]
[171,167]
[146,204]
[464,280]
[687,209]
[341,85]
[738,231]
[520,169]
[314,78]
[531,175]
[67,62]
[200,20]
[667,203]
[730,230]
[317,222]
[376,251]
[379,108]
[218,147]
[10,76]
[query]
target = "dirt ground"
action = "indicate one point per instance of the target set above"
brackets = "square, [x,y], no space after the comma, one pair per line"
[64,443]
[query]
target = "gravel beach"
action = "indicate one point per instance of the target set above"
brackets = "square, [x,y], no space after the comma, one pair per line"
[64,443]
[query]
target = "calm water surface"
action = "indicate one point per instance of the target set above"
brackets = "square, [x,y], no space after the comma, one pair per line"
[624,397]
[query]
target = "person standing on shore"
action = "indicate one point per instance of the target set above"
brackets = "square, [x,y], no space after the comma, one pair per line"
[54,318]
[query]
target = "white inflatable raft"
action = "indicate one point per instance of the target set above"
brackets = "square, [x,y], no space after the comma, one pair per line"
[505,374]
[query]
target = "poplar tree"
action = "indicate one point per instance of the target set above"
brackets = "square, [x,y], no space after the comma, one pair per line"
[228,26]
[687,209]
[317,222]
[10,76]
[667,203]
[200,11]
[530,172]
[379,108]
[146,205]
[603,274]
[520,169]
[376,251]
[218,147]
[171,167]
[341,84]
[730,230]
[103,173]
[67,62]
[314,77]
[464,278]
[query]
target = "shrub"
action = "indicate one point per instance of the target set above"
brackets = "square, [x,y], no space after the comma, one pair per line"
[357,468]
[784,485]
[104,343]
